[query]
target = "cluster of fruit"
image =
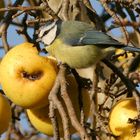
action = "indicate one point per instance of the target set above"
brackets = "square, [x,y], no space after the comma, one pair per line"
[27,79]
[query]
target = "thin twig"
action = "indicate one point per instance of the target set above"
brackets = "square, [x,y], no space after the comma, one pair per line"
[23,30]
[5,25]
[93,98]
[131,4]
[65,7]
[129,84]
[116,18]
[53,98]
[33,21]
[49,10]
[22,8]
[128,23]
[68,103]
[54,120]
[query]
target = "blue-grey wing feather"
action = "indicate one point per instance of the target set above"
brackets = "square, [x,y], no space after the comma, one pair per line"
[98,38]
[77,33]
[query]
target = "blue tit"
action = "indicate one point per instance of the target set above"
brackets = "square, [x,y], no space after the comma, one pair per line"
[78,44]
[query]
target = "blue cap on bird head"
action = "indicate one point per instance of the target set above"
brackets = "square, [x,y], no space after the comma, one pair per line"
[49,32]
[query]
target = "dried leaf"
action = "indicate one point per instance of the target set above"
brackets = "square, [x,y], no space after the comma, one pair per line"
[135,38]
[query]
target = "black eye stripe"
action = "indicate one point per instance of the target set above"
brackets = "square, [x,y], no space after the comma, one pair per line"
[46,32]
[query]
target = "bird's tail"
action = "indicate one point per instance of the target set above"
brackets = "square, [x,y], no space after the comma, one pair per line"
[131,49]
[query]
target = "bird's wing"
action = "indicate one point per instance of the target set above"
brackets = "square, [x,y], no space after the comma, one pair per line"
[103,40]
[93,37]
[77,33]
[98,38]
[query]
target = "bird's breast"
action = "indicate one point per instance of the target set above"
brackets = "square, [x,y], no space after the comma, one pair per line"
[76,56]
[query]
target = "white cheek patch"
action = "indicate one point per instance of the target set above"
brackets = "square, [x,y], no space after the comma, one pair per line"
[42,30]
[50,36]
[46,28]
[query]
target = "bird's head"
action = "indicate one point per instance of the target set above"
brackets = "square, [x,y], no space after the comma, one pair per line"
[49,32]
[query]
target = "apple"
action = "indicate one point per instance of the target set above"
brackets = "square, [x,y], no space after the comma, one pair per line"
[26,77]
[129,136]
[123,58]
[119,116]
[39,118]
[5,114]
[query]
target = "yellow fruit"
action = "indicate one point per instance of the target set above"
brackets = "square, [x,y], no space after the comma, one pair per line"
[123,58]
[40,117]
[119,116]
[5,114]
[129,136]
[26,77]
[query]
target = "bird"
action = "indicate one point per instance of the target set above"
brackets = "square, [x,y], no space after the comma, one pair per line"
[78,44]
